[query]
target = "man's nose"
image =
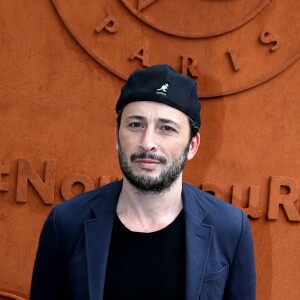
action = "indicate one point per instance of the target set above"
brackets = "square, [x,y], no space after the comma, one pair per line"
[148,140]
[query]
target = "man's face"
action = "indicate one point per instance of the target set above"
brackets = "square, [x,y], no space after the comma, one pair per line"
[153,144]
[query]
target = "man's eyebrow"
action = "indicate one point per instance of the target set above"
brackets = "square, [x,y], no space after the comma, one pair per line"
[168,121]
[137,117]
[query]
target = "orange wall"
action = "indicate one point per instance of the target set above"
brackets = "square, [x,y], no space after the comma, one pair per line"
[57,112]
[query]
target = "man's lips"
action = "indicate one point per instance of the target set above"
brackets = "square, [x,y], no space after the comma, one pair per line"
[147,163]
[148,158]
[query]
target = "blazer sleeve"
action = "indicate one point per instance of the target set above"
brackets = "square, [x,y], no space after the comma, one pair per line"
[241,283]
[49,279]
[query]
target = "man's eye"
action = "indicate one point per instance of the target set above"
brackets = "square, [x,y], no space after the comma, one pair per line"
[135,125]
[168,128]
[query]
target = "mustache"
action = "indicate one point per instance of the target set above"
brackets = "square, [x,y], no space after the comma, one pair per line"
[143,155]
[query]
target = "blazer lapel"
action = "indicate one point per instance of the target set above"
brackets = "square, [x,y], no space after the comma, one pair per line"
[97,238]
[198,243]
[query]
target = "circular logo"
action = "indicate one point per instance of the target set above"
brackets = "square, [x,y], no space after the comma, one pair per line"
[226,46]
[195,19]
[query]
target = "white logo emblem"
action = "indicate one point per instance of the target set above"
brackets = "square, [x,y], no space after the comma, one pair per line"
[163,89]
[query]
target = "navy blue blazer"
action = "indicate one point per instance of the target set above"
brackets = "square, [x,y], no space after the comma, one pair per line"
[74,245]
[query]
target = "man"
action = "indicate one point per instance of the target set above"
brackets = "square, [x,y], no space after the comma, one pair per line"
[149,236]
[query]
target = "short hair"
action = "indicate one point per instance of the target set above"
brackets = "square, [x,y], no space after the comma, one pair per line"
[194,128]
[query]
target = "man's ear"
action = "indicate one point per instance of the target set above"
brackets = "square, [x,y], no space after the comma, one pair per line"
[117,136]
[194,145]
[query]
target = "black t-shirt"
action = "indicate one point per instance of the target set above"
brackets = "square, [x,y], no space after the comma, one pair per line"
[144,266]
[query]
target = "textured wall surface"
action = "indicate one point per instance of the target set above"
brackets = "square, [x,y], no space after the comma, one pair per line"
[62,64]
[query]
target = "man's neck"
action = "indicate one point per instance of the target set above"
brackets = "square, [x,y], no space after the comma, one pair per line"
[149,212]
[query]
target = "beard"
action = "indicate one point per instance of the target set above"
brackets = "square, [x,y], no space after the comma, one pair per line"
[149,184]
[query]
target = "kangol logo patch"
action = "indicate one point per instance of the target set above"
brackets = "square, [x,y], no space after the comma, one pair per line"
[163,89]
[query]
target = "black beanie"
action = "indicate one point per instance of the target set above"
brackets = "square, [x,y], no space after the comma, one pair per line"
[160,83]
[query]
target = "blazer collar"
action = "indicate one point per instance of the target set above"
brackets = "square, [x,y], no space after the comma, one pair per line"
[198,242]
[108,200]
[97,238]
